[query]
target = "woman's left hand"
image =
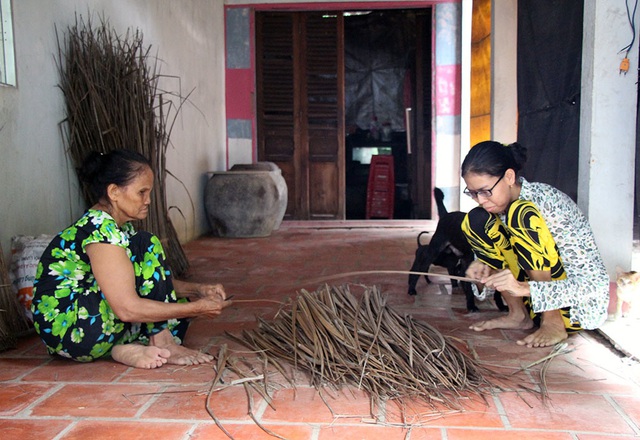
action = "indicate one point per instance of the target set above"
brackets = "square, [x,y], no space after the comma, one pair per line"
[212,291]
[505,282]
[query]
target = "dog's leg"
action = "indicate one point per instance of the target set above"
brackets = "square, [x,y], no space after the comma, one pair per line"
[417,266]
[471,299]
[425,256]
[497,297]
[455,271]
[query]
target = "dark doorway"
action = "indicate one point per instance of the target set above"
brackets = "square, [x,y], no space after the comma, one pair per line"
[387,67]
[321,79]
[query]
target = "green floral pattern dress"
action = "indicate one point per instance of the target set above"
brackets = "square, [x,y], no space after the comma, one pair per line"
[71,314]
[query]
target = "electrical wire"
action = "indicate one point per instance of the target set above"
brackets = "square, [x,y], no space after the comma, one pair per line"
[631,17]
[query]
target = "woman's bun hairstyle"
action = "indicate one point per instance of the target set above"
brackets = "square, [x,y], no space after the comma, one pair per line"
[119,167]
[493,158]
[91,167]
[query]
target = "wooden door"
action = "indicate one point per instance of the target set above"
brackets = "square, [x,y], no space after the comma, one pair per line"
[300,100]
[420,135]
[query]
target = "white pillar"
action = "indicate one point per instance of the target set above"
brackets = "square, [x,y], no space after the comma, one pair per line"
[504,81]
[466,204]
[607,130]
[504,62]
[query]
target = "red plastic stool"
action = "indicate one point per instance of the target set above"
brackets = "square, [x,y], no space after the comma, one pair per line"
[380,188]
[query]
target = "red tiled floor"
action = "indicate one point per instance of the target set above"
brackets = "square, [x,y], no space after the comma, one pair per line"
[65,370]
[604,437]
[113,400]
[476,434]
[27,429]
[630,405]
[12,368]
[594,392]
[475,413]
[368,432]
[15,397]
[572,412]
[251,431]
[197,375]
[347,405]
[190,403]
[108,430]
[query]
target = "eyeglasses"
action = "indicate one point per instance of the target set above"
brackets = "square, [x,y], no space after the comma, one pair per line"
[486,193]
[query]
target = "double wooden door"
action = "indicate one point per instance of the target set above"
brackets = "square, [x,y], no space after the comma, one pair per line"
[300,108]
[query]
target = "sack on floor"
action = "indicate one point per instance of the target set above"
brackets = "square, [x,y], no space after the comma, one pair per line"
[26,251]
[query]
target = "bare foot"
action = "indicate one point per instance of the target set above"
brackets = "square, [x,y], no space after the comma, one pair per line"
[140,356]
[503,322]
[186,356]
[179,355]
[551,331]
[544,337]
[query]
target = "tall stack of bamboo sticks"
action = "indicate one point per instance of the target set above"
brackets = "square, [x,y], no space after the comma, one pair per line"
[110,86]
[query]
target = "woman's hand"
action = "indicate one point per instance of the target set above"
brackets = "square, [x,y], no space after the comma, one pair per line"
[211,306]
[212,298]
[196,291]
[212,291]
[505,282]
[478,270]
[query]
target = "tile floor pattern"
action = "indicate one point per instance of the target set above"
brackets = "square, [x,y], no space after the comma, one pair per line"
[594,392]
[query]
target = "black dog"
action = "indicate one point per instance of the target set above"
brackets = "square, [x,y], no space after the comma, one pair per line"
[448,248]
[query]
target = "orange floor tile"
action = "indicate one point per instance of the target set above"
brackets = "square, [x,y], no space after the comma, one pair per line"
[593,390]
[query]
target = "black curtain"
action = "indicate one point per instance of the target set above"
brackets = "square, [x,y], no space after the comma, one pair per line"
[379,50]
[549,66]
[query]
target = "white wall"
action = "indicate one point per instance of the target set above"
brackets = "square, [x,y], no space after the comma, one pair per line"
[607,131]
[39,191]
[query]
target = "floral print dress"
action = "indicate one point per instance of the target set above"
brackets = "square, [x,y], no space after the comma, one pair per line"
[70,312]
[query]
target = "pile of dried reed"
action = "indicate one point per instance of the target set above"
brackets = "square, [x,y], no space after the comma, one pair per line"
[340,340]
[110,86]
[13,321]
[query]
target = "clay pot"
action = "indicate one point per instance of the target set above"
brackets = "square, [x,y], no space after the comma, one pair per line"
[249,200]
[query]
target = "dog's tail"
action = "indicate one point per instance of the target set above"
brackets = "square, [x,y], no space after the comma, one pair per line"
[420,235]
[439,196]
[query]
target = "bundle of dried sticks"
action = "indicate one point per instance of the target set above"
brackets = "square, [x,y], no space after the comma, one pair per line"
[338,340]
[113,100]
